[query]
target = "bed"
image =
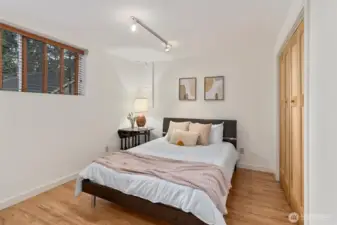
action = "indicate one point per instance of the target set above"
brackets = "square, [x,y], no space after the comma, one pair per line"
[164,200]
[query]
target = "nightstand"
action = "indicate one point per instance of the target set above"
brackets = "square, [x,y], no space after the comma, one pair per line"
[131,137]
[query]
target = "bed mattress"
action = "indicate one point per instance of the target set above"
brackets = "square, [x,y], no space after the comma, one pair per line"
[157,190]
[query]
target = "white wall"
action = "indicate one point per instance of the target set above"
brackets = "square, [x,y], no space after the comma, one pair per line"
[248,99]
[322,121]
[45,138]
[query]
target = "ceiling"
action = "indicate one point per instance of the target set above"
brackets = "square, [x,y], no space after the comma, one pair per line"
[194,27]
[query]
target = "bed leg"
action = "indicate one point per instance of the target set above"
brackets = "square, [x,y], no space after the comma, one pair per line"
[93,201]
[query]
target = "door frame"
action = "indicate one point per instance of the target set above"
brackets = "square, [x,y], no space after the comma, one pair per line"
[303,10]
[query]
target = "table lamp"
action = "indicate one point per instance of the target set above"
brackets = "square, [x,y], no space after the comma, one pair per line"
[141,105]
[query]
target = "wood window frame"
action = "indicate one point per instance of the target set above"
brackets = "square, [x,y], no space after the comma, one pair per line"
[24,64]
[25,35]
[61,70]
[40,38]
[45,69]
[1,77]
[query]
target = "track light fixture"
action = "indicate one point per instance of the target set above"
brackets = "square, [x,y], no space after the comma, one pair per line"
[136,22]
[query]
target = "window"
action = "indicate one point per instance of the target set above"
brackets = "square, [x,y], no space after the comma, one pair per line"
[10,60]
[31,63]
[54,56]
[69,72]
[34,66]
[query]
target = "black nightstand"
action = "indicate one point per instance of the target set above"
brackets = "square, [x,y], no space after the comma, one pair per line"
[130,137]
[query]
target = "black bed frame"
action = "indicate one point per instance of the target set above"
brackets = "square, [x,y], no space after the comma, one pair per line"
[159,211]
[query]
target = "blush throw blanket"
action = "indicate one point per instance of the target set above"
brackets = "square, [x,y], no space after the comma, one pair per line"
[206,177]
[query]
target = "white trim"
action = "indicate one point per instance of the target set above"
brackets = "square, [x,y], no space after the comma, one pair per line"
[306,184]
[255,168]
[36,191]
[86,51]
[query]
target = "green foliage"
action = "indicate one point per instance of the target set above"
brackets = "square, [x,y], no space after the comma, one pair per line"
[69,65]
[35,56]
[10,55]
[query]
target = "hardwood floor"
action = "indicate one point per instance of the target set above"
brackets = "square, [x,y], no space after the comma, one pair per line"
[255,199]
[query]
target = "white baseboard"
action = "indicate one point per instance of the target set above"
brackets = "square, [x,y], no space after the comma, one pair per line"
[255,168]
[277,176]
[36,191]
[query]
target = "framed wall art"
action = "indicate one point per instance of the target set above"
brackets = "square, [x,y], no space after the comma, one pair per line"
[188,89]
[214,88]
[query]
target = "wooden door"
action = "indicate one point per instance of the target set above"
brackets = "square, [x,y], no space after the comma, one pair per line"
[285,165]
[288,165]
[296,120]
[283,107]
[292,120]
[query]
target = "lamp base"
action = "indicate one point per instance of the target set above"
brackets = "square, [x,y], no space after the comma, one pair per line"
[141,121]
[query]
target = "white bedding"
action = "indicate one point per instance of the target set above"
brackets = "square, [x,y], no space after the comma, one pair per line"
[157,190]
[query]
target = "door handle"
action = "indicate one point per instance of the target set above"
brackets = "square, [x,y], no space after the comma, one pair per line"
[294,101]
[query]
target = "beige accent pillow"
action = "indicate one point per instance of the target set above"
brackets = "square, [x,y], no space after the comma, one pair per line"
[179,126]
[188,138]
[203,130]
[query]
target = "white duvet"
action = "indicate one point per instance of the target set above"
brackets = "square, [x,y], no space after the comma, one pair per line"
[156,190]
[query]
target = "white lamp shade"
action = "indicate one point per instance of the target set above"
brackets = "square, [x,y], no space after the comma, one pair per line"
[141,105]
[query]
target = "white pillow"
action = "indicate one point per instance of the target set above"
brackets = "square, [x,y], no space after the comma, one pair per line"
[188,138]
[216,134]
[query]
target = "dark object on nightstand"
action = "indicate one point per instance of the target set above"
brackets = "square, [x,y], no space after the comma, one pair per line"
[130,137]
[141,121]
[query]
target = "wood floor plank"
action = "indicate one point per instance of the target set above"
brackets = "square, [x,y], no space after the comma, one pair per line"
[255,199]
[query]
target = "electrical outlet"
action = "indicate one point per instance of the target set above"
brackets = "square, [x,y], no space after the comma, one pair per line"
[106,148]
[242,151]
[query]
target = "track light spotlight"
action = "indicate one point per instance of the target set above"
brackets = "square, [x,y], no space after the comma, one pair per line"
[134,27]
[168,47]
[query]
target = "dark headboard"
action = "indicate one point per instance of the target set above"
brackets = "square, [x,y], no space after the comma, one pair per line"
[229,132]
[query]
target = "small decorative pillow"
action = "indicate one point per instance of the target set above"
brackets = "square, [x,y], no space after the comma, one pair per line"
[203,130]
[184,137]
[179,126]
